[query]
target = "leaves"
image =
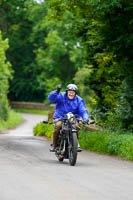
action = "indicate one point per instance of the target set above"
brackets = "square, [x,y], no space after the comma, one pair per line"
[57,41]
[5,75]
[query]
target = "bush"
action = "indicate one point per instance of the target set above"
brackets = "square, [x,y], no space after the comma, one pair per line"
[39,129]
[126,149]
[93,141]
[114,144]
[42,129]
[108,119]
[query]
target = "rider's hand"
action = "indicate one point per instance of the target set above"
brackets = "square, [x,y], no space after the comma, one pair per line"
[45,122]
[86,121]
[58,88]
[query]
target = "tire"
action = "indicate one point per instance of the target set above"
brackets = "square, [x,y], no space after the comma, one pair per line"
[60,159]
[72,149]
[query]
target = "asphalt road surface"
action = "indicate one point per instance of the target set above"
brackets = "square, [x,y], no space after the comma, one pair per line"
[28,171]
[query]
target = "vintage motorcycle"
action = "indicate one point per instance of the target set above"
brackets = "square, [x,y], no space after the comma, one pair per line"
[67,142]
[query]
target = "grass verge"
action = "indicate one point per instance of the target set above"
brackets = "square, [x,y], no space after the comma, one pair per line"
[111,143]
[40,112]
[13,120]
[106,142]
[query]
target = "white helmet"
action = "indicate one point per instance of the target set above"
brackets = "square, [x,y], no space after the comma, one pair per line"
[72,87]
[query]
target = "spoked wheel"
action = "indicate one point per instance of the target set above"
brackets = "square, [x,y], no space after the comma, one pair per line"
[72,149]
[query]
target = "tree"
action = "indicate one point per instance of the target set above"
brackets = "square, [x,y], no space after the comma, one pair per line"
[5,75]
[25,85]
[62,38]
[64,53]
[117,34]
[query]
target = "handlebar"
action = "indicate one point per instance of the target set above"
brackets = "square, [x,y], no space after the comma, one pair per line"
[84,122]
[61,119]
[53,122]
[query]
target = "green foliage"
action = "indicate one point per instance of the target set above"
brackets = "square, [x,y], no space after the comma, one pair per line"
[111,143]
[92,142]
[109,79]
[108,119]
[90,42]
[5,67]
[126,149]
[51,83]
[3,109]
[42,129]
[40,112]
[81,79]
[13,119]
[64,53]
[5,75]
[17,25]
[109,37]
[126,103]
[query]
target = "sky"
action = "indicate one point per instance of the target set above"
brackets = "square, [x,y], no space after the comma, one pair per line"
[38,1]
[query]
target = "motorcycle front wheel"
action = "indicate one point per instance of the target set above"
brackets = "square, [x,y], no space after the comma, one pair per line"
[58,151]
[72,149]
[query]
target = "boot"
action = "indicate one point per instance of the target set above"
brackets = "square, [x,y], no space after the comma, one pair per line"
[79,149]
[53,147]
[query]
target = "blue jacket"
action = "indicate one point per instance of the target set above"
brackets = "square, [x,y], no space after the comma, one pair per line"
[65,105]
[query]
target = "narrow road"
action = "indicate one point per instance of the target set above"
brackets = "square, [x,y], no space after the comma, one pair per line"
[28,171]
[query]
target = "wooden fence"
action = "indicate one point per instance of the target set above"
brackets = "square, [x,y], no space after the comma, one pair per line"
[31,105]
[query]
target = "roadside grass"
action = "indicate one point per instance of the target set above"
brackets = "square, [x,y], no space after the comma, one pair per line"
[106,142]
[40,112]
[13,120]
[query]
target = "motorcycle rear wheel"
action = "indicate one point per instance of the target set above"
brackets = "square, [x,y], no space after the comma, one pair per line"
[72,149]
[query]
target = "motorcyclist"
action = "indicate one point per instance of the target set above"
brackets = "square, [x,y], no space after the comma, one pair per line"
[66,102]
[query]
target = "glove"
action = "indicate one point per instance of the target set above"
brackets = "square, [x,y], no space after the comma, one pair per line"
[86,121]
[45,122]
[58,88]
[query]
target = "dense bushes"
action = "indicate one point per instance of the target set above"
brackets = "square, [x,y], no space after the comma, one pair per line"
[43,130]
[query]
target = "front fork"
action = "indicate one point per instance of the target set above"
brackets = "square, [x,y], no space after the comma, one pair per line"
[64,147]
[74,131]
